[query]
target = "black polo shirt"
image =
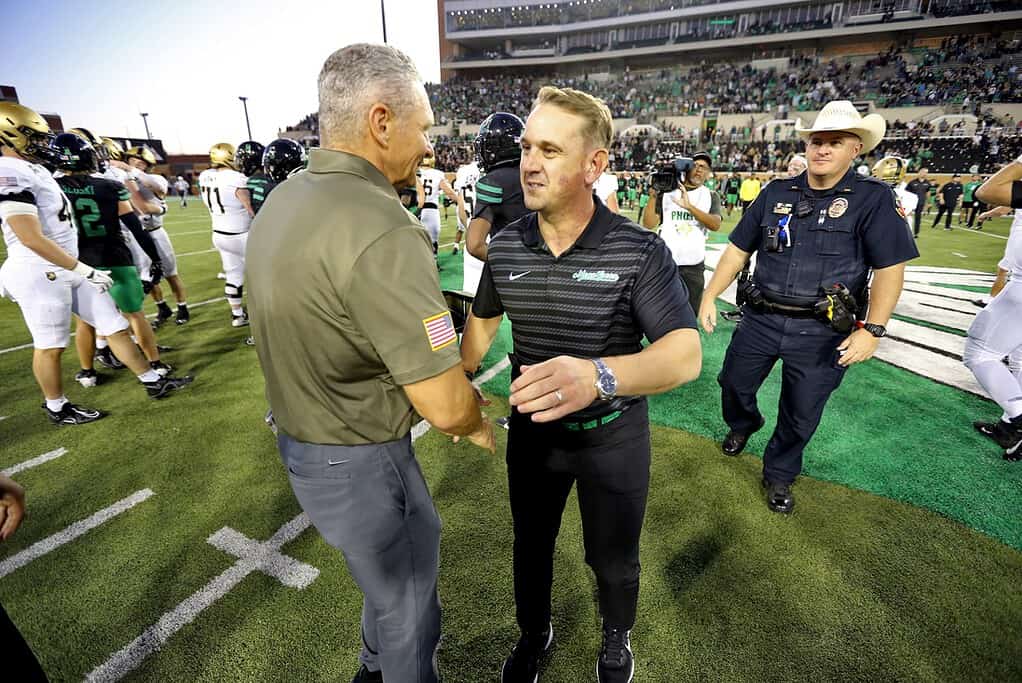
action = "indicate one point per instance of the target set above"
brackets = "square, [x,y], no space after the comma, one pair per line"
[616,284]
[499,198]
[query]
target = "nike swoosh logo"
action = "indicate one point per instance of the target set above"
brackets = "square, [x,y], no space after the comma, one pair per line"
[512,277]
[337,462]
[1014,449]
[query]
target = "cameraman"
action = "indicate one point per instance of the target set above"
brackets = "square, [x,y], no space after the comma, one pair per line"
[684,216]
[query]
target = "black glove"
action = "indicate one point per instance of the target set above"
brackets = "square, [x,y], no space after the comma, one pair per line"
[155,275]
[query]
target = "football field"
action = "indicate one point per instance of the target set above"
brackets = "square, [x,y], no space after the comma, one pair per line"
[163,542]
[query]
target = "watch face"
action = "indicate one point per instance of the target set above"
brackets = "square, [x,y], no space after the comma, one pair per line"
[608,385]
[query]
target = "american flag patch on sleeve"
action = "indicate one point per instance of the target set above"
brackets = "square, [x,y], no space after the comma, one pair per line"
[7,181]
[440,330]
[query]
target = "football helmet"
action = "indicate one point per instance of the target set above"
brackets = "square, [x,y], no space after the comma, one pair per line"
[141,152]
[891,170]
[283,158]
[113,149]
[249,157]
[75,154]
[27,133]
[222,155]
[499,140]
[429,161]
[96,144]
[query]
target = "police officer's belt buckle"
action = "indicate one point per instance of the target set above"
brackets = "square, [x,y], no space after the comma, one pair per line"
[592,424]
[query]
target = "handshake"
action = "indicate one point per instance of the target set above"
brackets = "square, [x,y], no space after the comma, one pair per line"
[97,278]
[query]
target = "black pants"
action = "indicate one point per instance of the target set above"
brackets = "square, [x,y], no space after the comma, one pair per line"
[610,463]
[918,220]
[808,353]
[977,208]
[948,209]
[15,653]
[694,278]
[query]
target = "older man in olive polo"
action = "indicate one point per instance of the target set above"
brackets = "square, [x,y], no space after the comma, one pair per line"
[355,341]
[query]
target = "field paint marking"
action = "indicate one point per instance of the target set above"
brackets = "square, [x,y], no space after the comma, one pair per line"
[193,253]
[955,253]
[264,557]
[192,232]
[37,550]
[154,637]
[38,460]
[492,372]
[151,315]
[979,232]
[3,417]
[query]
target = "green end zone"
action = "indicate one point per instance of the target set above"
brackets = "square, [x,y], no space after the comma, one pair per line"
[901,561]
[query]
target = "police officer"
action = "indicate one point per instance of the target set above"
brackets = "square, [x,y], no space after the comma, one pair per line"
[581,286]
[826,227]
[362,343]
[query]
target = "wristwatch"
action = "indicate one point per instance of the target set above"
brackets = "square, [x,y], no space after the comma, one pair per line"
[606,382]
[875,330]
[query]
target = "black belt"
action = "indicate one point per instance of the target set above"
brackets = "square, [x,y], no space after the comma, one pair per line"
[790,310]
[583,425]
[221,232]
[430,205]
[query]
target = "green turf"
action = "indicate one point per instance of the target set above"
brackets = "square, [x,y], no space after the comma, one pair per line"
[853,586]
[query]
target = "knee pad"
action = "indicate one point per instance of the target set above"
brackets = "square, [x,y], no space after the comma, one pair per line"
[233,291]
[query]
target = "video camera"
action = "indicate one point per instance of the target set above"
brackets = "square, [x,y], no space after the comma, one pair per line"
[667,175]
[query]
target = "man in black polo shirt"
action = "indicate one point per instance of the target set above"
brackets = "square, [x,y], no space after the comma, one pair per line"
[581,286]
[920,187]
[947,198]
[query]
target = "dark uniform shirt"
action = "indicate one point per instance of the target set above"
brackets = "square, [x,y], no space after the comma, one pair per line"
[731,186]
[617,283]
[260,186]
[920,188]
[850,228]
[95,202]
[499,198]
[951,192]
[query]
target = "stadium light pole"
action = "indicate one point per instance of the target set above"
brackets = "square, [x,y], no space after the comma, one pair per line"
[383,17]
[145,122]
[248,126]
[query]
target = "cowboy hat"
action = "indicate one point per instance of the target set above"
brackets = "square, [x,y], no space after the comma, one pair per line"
[842,116]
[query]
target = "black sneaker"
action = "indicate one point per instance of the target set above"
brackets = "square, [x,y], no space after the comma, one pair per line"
[163,314]
[615,663]
[87,378]
[161,368]
[1001,432]
[364,675]
[183,315]
[70,414]
[165,385]
[107,359]
[522,665]
[1013,452]
[249,341]
[732,316]
[504,422]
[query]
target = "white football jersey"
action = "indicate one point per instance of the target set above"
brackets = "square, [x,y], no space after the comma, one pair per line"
[1012,261]
[605,186]
[431,179]
[118,175]
[27,183]
[153,221]
[217,188]
[908,201]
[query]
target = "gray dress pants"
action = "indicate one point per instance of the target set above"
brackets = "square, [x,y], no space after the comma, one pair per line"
[371,503]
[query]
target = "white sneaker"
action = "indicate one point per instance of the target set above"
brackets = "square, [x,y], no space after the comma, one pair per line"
[87,378]
[239,320]
[221,275]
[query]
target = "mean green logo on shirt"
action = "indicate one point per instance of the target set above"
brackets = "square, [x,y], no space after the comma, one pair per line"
[595,276]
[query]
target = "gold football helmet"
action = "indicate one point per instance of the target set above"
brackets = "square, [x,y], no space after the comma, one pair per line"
[26,132]
[222,154]
[891,170]
[113,149]
[88,136]
[141,152]
[429,161]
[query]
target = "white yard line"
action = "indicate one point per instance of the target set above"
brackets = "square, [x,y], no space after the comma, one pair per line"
[34,462]
[37,550]
[151,315]
[207,231]
[978,232]
[193,253]
[266,557]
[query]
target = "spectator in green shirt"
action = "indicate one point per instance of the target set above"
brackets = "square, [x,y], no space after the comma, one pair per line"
[970,204]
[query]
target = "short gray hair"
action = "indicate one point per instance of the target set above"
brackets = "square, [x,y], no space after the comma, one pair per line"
[354,77]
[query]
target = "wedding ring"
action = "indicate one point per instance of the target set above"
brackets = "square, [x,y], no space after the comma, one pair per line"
[559,395]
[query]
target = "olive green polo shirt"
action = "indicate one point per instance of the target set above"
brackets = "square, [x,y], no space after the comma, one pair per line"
[345,304]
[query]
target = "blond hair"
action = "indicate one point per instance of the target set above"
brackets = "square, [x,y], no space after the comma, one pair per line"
[599,126]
